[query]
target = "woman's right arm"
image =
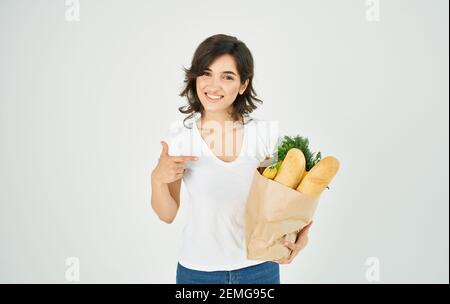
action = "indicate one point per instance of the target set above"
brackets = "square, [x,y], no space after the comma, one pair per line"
[163,203]
[166,183]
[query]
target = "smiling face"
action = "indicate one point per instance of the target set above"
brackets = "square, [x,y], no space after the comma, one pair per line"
[218,87]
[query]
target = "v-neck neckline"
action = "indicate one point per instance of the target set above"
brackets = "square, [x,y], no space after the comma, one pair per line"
[214,156]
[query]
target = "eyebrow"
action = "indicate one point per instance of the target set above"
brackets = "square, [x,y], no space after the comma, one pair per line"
[225,72]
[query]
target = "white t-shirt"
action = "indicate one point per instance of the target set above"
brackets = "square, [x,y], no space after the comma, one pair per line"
[214,235]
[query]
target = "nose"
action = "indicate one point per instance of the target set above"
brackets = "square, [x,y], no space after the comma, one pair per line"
[214,85]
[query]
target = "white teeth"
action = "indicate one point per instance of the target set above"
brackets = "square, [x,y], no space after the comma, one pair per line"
[214,97]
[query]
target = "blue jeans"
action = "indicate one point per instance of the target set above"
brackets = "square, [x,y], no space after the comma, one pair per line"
[264,273]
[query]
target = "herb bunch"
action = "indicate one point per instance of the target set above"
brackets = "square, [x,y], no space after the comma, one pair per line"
[298,142]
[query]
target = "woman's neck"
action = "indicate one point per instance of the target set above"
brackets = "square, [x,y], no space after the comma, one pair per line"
[224,120]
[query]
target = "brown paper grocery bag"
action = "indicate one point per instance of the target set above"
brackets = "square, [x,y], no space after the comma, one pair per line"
[274,213]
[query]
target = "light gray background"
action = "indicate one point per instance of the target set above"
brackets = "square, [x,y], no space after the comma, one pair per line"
[85,104]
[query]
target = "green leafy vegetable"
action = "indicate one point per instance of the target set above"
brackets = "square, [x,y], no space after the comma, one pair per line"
[298,142]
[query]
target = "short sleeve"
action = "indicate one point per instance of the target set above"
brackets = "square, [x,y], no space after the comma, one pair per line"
[273,138]
[267,138]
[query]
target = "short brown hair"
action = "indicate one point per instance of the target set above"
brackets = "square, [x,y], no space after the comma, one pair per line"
[211,48]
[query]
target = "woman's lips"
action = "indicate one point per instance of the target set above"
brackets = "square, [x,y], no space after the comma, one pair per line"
[213,98]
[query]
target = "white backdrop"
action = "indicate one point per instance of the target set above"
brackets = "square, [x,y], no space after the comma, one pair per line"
[84,104]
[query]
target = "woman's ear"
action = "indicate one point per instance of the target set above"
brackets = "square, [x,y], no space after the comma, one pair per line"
[243,87]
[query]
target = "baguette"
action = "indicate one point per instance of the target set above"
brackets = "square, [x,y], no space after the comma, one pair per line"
[292,168]
[318,178]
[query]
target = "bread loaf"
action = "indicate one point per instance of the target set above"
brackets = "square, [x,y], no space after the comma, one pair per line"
[318,178]
[291,169]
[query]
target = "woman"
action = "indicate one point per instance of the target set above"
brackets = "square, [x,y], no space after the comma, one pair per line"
[216,156]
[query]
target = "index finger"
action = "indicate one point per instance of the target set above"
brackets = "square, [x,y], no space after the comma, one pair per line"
[184,158]
[306,228]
